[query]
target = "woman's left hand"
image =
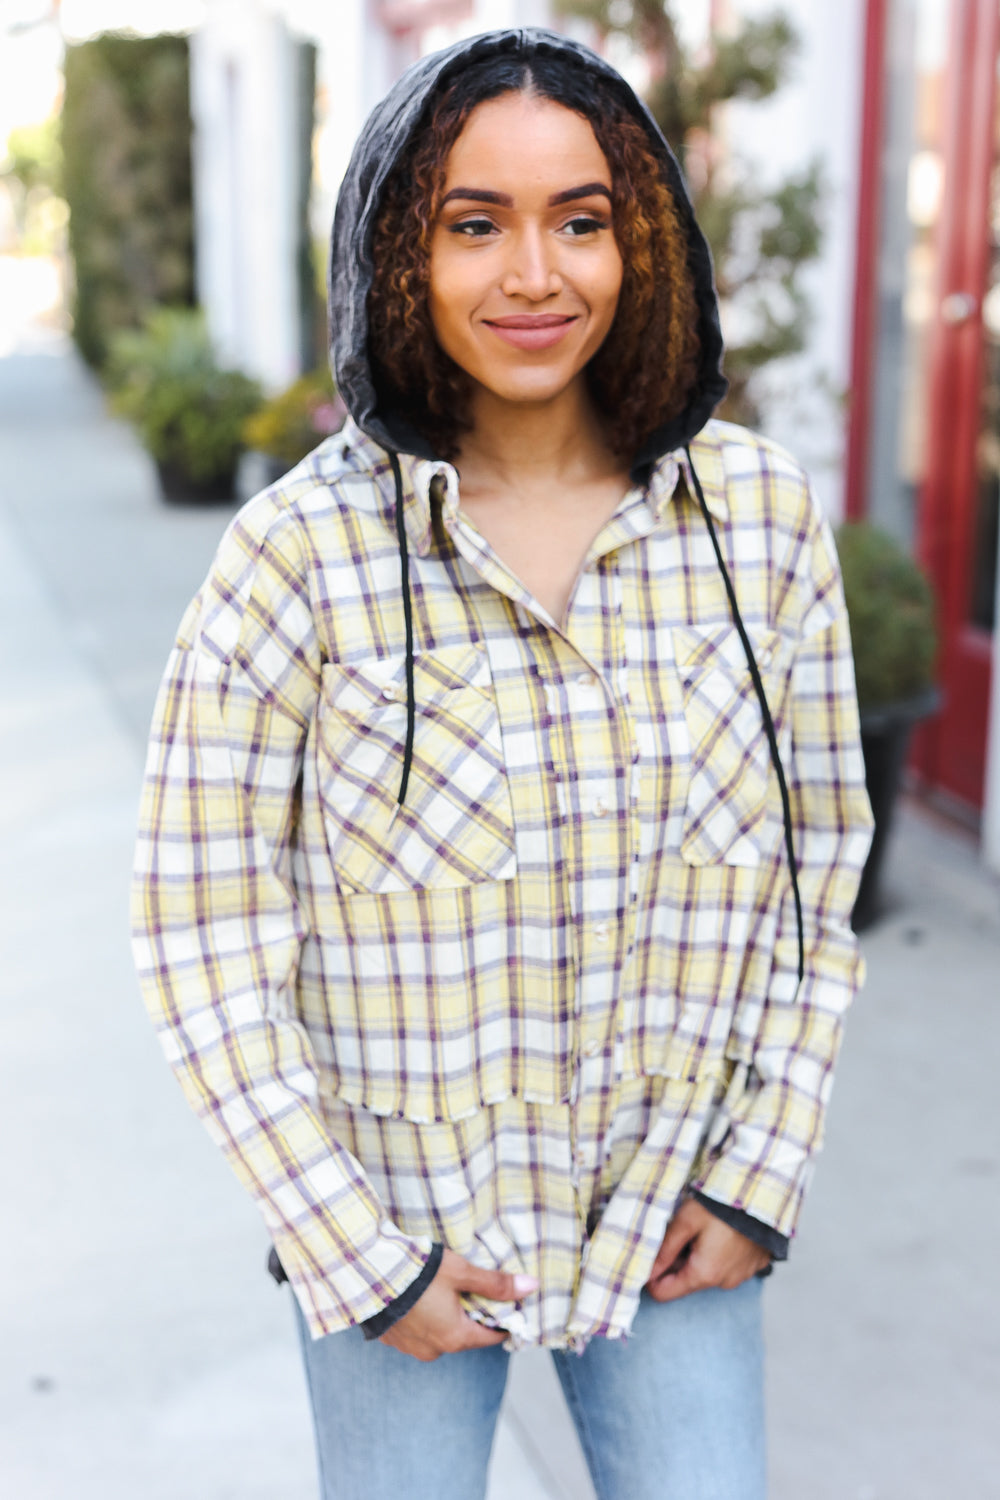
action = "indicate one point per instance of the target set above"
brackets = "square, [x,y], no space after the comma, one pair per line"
[698,1252]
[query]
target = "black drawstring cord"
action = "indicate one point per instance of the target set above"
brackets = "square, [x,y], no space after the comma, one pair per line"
[772,738]
[411,699]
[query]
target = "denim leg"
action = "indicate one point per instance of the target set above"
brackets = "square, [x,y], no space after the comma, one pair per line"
[389,1427]
[677,1411]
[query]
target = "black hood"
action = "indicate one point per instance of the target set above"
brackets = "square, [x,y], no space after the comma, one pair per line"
[382,141]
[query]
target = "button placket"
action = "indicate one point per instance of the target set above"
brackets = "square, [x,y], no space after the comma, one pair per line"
[597,860]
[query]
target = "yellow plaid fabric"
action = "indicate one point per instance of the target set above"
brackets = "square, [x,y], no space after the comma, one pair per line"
[523,1012]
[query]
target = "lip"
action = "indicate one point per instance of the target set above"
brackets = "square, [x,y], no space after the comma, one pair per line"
[532,330]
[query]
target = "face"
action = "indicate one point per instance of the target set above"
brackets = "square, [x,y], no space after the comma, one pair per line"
[525,270]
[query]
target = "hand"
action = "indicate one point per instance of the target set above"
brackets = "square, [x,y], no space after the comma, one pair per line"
[438,1324]
[699,1251]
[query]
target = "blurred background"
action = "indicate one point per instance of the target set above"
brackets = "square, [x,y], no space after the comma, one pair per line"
[167,180]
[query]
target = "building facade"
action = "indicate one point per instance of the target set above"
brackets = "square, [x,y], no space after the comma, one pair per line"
[900,99]
[923,455]
[895,403]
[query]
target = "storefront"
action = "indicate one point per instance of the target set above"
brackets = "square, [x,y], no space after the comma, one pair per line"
[924,445]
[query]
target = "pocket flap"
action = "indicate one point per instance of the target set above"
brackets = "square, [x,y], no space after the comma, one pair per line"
[702,649]
[356,688]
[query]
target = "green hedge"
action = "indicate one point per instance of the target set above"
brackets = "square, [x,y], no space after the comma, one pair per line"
[891,609]
[126,138]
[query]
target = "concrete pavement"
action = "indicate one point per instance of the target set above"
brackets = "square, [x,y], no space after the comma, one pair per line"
[144,1351]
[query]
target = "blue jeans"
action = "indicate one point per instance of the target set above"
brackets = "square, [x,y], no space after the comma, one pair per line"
[675,1413]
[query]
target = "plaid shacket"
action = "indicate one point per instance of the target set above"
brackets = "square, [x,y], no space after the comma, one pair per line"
[523,1013]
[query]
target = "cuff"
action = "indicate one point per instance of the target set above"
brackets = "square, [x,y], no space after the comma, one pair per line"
[381,1322]
[764,1235]
[374,1327]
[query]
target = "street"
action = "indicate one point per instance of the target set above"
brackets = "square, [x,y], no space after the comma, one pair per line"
[147,1356]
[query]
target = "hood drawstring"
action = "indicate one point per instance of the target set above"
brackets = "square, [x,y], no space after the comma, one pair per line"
[411,697]
[772,738]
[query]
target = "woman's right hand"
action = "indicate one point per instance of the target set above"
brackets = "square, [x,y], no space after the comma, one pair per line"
[439,1324]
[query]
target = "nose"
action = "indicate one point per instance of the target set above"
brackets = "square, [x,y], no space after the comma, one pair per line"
[531,270]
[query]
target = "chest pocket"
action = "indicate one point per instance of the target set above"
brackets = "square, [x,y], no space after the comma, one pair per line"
[730,764]
[456,826]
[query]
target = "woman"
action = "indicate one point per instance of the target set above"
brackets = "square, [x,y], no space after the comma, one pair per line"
[505,811]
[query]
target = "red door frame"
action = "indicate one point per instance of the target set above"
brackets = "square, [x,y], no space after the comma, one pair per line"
[951,751]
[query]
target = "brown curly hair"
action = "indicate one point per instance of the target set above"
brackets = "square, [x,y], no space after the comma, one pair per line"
[645,370]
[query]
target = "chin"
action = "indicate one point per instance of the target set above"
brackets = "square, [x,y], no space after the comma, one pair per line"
[534,389]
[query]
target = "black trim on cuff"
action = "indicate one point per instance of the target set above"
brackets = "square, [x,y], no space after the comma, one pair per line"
[764,1235]
[381,1322]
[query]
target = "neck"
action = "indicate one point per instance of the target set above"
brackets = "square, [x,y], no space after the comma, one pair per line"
[523,445]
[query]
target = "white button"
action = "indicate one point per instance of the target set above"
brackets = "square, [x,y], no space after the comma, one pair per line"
[600,808]
[602,932]
[592,1047]
[581,1157]
[391,691]
[586,680]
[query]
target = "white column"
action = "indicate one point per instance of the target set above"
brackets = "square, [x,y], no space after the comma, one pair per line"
[243,82]
[816,113]
[347,90]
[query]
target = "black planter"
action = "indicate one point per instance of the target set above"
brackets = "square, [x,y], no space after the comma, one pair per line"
[885,740]
[180,489]
[256,470]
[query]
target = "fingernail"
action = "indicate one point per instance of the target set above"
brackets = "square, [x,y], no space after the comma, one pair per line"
[525,1284]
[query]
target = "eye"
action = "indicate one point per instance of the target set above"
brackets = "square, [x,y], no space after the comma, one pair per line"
[473,228]
[582,224]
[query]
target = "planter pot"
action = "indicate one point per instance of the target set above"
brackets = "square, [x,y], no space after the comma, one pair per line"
[180,489]
[885,740]
[255,471]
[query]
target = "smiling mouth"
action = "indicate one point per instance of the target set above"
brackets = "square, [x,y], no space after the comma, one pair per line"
[532,330]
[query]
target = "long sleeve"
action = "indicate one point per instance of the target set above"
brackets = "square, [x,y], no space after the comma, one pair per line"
[218,927]
[785,1048]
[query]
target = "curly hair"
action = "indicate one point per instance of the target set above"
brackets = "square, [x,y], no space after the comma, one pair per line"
[645,370]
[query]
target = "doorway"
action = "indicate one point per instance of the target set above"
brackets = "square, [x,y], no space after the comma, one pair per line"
[933,471]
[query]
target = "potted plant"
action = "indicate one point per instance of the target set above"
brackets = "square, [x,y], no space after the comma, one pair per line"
[890,605]
[187,409]
[288,426]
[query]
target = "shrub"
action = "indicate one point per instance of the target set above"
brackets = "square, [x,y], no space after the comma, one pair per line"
[291,424]
[188,411]
[126,147]
[763,232]
[892,615]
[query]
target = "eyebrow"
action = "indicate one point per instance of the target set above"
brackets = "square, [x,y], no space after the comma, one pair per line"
[504,200]
[588,190]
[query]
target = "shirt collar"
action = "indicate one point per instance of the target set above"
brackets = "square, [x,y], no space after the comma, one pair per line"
[663,481]
[419,475]
[426,480]
[706,455]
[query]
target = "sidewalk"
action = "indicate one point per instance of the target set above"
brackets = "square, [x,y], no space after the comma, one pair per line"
[146,1355]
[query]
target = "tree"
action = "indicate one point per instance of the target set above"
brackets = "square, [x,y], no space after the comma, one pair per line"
[761,236]
[126,141]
